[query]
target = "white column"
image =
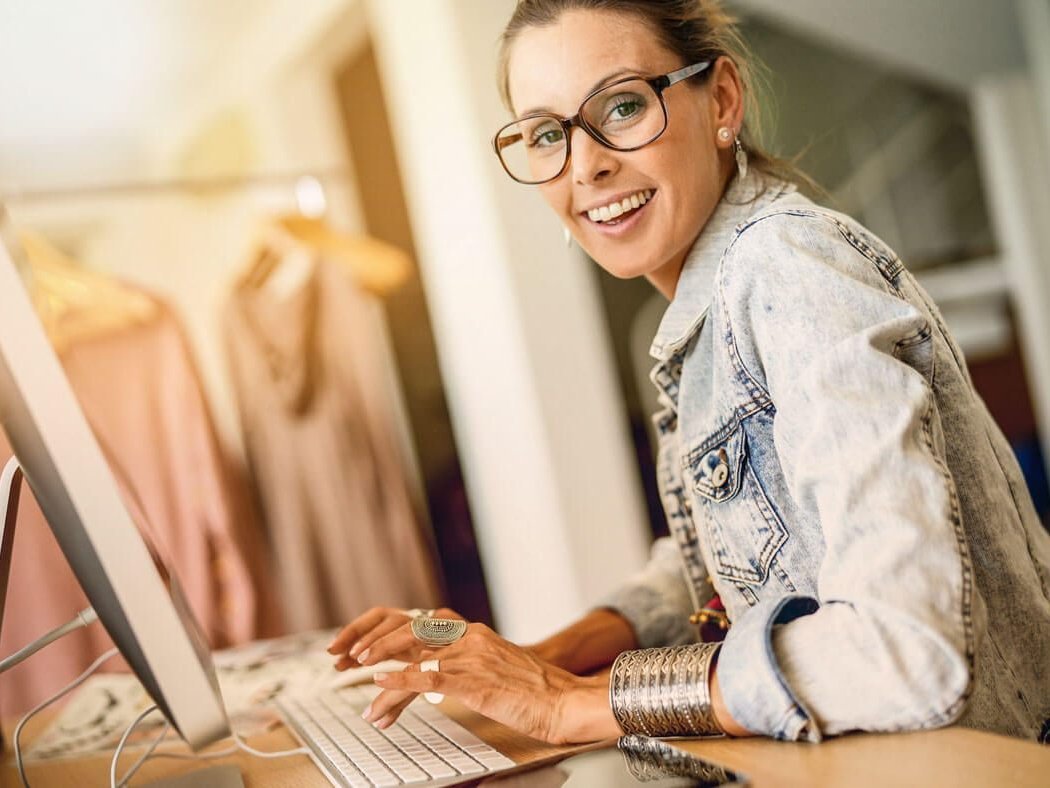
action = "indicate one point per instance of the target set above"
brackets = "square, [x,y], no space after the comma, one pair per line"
[1012,147]
[535,404]
[1034,22]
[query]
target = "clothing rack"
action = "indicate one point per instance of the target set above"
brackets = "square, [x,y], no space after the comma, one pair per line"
[148,187]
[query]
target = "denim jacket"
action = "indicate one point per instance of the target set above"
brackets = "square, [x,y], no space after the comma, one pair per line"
[828,469]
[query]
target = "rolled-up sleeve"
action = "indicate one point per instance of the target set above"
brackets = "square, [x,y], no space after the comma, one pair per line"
[886,643]
[656,600]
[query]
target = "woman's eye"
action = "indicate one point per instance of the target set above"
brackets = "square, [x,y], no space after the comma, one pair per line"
[625,107]
[545,136]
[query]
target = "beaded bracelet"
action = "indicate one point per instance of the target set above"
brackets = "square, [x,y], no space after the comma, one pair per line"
[665,691]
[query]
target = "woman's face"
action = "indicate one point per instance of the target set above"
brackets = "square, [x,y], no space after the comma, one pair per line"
[553,68]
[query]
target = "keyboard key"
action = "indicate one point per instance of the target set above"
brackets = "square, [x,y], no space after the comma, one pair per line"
[423,745]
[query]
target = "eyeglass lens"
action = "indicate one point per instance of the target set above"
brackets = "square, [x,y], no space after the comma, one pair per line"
[625,115]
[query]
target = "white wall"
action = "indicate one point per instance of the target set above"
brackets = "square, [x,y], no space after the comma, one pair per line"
[1012,121]
[270,107]
[945,42]
[532,392]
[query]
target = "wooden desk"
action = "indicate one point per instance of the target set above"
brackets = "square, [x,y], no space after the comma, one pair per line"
[292,772]
[950,757]
[955,757]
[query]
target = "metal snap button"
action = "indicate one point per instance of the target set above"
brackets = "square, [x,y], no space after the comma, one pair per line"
[720,475]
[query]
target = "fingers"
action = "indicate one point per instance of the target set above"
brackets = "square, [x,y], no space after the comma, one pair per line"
[446,612]
[396,644]
[365,642]
[360,633]
[362,626]
[387,707]
[349,634]
[414,681]
[402,644]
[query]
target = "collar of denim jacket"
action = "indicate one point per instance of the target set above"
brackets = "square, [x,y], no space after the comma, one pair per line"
[685,314]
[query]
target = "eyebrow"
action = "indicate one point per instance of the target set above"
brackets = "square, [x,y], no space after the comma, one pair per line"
[607,78]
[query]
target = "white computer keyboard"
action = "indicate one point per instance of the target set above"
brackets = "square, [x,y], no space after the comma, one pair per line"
[424,747]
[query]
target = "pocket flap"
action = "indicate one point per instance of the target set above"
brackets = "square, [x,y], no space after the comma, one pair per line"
[716,465]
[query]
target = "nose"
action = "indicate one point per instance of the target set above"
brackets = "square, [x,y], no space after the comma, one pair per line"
[591,161]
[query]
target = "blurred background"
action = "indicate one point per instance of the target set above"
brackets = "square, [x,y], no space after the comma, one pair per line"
[336,358]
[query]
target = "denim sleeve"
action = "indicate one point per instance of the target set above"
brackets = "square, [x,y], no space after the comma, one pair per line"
[656,600]
[887,643]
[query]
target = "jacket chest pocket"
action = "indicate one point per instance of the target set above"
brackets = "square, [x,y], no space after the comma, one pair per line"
[745,532]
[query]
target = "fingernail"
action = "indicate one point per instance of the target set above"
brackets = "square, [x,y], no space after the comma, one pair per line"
[379,677]
[363,656]
[355,648]
[385,722]
[367,713]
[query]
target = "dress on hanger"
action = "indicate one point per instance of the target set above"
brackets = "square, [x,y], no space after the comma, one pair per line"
[140,391]
[320,435]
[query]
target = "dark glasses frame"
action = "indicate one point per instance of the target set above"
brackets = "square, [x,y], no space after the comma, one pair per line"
[658,84]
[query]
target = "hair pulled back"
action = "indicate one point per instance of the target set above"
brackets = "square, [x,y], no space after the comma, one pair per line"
[694,30]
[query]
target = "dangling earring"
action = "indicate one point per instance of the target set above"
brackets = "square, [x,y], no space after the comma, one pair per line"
[741,158]
[724,135]
[568,236]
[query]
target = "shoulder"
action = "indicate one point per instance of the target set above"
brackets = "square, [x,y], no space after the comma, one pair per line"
[797,244]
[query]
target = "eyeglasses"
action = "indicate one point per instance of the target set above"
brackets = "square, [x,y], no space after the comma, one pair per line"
[625,116]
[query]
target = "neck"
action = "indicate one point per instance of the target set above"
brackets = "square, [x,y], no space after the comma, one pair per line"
[665,278]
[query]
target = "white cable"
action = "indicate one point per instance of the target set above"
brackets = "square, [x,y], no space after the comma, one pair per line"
[29,715]
[82,619]
[123,740]
[239,744]
[149,751]
[242,744]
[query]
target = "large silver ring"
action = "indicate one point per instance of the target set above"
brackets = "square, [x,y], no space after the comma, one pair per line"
[438,631]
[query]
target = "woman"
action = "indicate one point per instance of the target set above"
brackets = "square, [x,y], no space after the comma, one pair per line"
[830,477]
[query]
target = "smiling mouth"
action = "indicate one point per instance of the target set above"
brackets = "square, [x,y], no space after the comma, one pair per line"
[616,212]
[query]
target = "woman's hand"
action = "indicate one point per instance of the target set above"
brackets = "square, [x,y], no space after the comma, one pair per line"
[500,680]
[354,641]
[589,644]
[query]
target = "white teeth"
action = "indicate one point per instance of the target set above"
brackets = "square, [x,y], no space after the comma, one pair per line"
[616,209]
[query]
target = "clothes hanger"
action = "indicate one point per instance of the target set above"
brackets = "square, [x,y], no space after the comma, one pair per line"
[291,244]
[74,303]
[376,266]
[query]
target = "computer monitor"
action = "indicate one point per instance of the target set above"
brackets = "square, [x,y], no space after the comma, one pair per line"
[138,601]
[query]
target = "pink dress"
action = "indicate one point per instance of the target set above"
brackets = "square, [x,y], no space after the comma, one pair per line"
[141,393]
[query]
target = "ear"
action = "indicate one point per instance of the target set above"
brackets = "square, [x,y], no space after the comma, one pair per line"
[727,98]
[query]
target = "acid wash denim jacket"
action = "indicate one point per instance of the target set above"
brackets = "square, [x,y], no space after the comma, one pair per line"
[828,469]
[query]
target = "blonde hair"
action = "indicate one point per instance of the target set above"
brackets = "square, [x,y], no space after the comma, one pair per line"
[695,30]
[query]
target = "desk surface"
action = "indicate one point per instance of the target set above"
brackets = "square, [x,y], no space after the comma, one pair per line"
[957,757]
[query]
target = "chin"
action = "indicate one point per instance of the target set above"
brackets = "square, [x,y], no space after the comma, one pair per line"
[625,268]
[625,260]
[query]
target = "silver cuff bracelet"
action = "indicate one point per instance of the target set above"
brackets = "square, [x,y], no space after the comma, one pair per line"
[665,691]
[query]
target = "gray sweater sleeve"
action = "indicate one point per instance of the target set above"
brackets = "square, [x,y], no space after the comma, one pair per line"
[656,600]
